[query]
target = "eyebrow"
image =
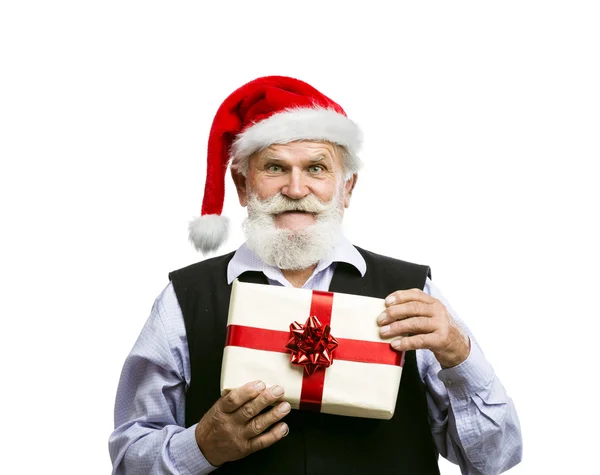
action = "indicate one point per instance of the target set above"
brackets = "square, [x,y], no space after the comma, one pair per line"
[316,158]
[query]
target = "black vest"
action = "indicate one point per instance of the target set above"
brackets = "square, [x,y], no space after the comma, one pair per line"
[316,443]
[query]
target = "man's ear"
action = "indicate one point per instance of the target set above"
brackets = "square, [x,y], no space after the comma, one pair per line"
[349,188]
[240,186]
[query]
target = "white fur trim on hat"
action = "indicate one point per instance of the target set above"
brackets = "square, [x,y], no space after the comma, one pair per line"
[298,124]
[208,232]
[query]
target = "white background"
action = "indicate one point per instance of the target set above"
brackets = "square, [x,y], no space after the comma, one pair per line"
[481,124]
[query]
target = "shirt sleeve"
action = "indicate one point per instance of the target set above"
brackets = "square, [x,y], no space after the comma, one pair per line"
[474,422]
[150,435]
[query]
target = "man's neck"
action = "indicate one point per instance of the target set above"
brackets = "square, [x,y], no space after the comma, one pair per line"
[298,277]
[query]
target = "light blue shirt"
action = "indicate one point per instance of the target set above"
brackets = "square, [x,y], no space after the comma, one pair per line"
[473,421]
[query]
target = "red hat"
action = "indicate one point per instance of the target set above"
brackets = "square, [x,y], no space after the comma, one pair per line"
[268,110]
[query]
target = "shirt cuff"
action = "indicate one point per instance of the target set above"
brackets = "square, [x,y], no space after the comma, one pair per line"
[187,455]
[471,376]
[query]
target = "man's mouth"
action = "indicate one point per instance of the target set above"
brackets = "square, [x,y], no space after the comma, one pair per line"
[290,212]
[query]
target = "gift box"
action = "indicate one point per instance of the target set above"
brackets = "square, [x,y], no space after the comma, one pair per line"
[324,348]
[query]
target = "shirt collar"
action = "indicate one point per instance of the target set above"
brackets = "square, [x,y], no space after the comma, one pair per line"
[245,260]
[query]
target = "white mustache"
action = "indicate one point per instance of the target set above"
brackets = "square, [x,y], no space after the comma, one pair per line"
[279,204]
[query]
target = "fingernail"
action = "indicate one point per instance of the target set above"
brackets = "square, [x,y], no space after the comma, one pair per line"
[384,330]
[277,391]
[396,343]
[260,386]
[285,407]
[284,429]
[390,300]
[381,317]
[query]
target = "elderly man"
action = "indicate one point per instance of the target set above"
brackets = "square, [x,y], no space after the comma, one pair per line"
[294,163]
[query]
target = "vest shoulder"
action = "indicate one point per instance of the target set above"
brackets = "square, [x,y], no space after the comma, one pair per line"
[202,267]
[382,262]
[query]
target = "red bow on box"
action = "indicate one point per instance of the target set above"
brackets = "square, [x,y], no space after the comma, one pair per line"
[312,344]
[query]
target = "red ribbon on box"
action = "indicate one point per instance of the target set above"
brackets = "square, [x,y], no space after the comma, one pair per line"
[347,349]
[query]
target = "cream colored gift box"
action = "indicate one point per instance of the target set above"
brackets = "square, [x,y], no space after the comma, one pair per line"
[351,388]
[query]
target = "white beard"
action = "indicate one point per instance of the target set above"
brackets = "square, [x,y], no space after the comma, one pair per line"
[293,249]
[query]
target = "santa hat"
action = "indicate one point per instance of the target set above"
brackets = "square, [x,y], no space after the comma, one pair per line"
[268,110]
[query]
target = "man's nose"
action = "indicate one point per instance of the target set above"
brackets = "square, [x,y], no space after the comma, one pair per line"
[296,187]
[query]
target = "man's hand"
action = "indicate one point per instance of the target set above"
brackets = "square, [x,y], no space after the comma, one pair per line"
[234,428]
[423,322]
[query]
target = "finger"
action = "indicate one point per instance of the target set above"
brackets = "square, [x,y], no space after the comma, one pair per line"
[417,342]
[413,308]
[408,326]
[253,407]
[262,422]
[267,439]
[237,397]
[401,296]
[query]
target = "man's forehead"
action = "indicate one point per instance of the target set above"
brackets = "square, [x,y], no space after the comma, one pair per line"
[314,151]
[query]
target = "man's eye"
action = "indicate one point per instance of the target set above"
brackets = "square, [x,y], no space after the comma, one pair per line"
[274,168]
[315,169]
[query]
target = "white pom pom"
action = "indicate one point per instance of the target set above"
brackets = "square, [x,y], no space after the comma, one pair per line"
[208,232]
